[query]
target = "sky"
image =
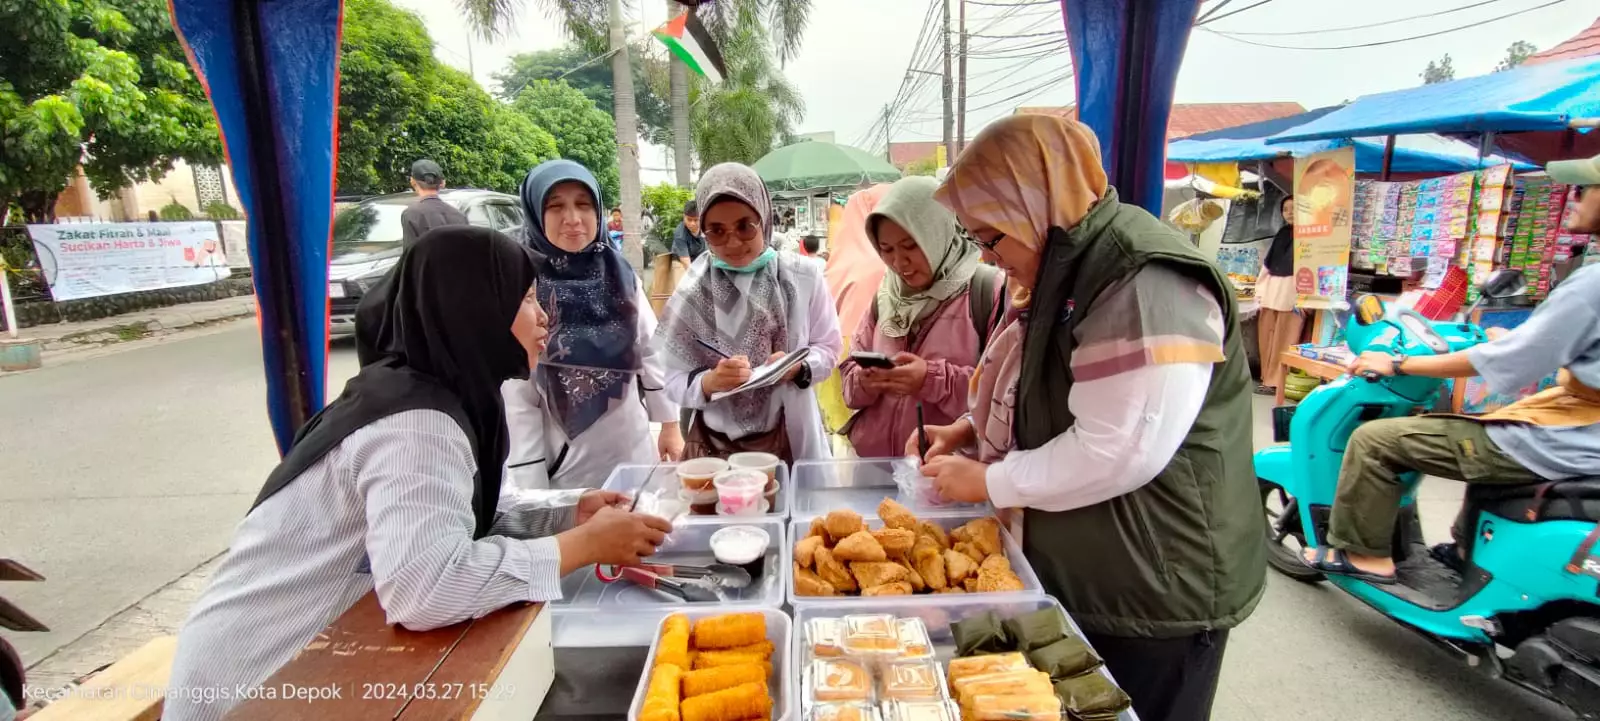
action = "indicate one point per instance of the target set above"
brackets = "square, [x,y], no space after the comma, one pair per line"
[856,53]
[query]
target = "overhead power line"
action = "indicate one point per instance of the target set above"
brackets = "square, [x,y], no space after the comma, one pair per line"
[1437,33]
[1367,25]
[1213,18]
[1015,4]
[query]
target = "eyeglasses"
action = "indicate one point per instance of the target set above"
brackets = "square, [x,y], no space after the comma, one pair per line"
[745,231]
[989,245]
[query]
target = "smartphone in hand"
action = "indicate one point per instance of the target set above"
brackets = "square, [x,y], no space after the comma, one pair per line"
[871,360]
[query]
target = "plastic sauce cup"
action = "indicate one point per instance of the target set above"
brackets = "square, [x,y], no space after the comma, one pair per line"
[697,474]
[740,491]
[764,462]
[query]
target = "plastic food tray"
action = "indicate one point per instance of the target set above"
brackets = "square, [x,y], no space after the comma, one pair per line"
[799,528]
[592,613]
[782,684]
[937,612]
[859,485]
[629,479]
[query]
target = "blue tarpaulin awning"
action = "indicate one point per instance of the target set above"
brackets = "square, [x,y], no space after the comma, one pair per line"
[1538,97]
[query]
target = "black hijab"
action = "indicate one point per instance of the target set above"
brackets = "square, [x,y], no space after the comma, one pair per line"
[435,334]
[1280,255]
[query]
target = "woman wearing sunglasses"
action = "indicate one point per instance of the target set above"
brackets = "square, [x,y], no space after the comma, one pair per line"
[741,305]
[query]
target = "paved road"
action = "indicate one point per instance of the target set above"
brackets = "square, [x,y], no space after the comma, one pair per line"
[126,471]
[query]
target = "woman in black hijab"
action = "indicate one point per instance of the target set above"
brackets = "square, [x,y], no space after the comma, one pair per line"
[395,486]
[1280,324]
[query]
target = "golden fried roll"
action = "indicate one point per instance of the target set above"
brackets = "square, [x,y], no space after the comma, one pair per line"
[841,523]
[895,515]
[860,546]
[958,566]
[808,583]
[674,646]
[729,630]
[834,572]
[877,573]
[712,680]
[713,659]
[893,588]
[934,531]
[661,696]
[763,649]
[740,703]
[805,551]
[896,541]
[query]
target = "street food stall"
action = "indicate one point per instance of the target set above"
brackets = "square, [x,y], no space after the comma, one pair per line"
[809,179]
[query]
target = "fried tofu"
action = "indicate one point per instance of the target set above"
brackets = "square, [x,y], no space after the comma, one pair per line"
[934,531]
[970,550]
[897,588]
[895,541]
[918,585]
[808,583]
[842,523]
[958,567]
[819,528]
[929,562]
[805,550]
[831,570]
[897,516]
[859,546]
[877,573]
[996,575]
[985,534]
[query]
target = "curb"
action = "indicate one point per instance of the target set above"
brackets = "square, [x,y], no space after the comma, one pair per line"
[120,332]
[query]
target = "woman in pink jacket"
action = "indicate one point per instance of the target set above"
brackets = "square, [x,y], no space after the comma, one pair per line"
[932,312]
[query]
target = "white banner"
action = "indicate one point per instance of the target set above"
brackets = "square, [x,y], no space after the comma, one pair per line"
[234,243]
[85,260]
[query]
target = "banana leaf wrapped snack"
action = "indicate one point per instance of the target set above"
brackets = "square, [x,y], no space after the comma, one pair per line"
[984,633]
[1037,629]
[1092,697]
[1067,657]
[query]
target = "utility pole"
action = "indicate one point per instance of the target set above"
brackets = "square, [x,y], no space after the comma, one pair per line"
[949,87]
[888,142]
[961,90]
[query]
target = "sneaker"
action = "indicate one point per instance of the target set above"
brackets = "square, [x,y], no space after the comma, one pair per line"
[1447,554]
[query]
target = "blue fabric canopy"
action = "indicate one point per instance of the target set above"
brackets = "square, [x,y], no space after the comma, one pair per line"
[1537,97]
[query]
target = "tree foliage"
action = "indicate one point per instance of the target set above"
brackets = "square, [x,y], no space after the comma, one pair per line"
[583,132]
[785,21]
[1516,54]
[104,81]
[397,103]
[1439,71]
[595,81]
[925,166]
[754,109]
[664,202]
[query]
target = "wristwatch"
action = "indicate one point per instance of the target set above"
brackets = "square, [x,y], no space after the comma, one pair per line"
[1395,361]
[803,377]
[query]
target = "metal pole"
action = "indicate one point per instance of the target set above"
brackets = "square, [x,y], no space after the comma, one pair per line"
[961,93]
[949,90]
[1388,158]
[888,142]
[5,297]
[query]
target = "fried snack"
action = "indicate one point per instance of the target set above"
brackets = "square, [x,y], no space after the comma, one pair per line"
[910,681]
[712,680]
[841,523]
[745,701]
[729,630]
[838,680]
[985,534]
[896,541]
[860,546]
[805,550]
[934,531]
[969,666]
[871,633]
[877,573]
[1007,683]
[818,529]
[834,572]
[764,649]
[917,584]
[895,515]
[952,589]
[808,583]
[996,575]
[970,550]
[674,646]
[895,588]
[929,562]
[1014,707]
[713,659]
[958,566]
[661,697]
[960,534]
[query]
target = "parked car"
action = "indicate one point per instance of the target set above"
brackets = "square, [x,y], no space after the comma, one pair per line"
[366,242]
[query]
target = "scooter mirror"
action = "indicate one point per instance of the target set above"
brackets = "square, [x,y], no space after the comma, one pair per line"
[1504,283]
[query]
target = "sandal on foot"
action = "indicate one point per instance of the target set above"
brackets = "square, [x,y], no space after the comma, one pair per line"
[1263,389]
[1337,563]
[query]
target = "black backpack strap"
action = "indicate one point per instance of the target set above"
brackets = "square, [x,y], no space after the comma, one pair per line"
[980,301]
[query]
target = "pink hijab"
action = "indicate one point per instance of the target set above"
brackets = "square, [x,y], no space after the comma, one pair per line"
[854,269]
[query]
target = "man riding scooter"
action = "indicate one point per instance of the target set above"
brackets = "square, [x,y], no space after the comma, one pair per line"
[1551,436]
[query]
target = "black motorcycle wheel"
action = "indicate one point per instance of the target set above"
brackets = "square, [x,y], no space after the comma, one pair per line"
[1285,537]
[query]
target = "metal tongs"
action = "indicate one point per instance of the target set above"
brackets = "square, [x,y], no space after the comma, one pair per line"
[699,584]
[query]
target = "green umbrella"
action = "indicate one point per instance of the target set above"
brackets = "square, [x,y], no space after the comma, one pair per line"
[817,165]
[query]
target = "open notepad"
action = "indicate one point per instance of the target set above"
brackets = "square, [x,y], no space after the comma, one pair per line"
[767,374]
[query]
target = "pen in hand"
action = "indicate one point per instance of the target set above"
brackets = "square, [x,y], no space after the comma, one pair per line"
[922,435]
[713,349]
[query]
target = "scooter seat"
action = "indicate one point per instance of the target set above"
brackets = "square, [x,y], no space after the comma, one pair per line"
[1576,499]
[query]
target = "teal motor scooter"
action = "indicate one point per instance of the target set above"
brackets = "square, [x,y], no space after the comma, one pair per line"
[1523,606]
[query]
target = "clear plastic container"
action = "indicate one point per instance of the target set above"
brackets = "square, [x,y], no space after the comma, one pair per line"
[592,613]
[664,481]
[798,528]
[860,485]
[782,684]
[937,613]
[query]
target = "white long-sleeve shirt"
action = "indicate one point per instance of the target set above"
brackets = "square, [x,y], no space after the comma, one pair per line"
[621,436]
[389,509]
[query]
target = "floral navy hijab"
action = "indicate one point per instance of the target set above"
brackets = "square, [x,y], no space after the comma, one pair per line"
[591,297]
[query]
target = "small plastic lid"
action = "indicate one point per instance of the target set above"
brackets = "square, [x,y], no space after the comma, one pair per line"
[739,545]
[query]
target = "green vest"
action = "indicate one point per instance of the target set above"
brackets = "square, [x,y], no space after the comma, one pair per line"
[1184,553]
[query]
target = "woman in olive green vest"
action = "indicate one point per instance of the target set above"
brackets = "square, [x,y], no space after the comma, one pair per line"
[1110,415]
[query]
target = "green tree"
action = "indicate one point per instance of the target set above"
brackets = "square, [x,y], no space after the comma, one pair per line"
[1439,71]
[925,166]
[104,81]
[664,202]
[583,132]
[594,79]
[754,109]
[1516,55]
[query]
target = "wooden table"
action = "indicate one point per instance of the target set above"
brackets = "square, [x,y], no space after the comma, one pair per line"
[496,668]
[1310,366]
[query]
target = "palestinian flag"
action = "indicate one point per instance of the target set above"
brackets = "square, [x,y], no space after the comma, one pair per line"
[686,38]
